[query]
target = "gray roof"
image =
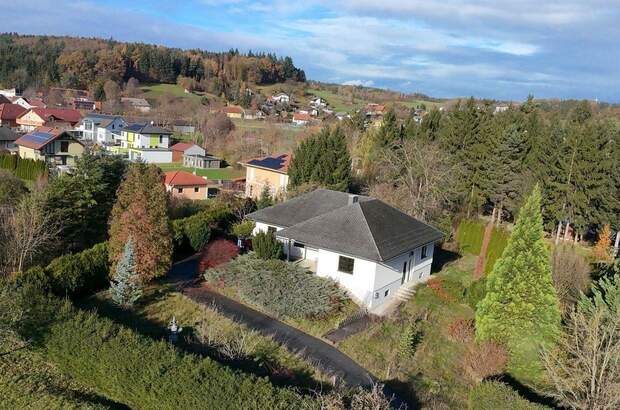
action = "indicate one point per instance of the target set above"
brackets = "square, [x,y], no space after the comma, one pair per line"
[7,134]
[303,207]
[368,229]
[146,128]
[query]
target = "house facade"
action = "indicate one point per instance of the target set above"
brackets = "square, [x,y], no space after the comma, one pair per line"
[181,184]
[370,248]
[7,139]
[48,117]
[271,172]
[301,118]
[146,142]
[52,145]
[181,148]
[233,111]
[9,114]
[101,128]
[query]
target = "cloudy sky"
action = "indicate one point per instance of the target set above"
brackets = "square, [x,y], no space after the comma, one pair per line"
[443,48]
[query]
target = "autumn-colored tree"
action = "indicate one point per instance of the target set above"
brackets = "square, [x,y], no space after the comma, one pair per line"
[140,213]
[602,250]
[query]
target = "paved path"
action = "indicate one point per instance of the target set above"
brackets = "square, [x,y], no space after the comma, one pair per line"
[325,356]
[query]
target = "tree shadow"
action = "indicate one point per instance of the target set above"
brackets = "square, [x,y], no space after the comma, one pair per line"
[402,393]
[261,364]
[442,257]
[527,392]
[83,397]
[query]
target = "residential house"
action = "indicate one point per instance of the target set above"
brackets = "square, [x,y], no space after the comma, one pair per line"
[179,149]
[9,114]
[101,128]
[146,142]
[84,104]
[48,117]
[300,118]
[5,100]
[183,127]
[370,248]
[341,116]
[7,139]
[9,92]
[182,184]
[254,115]
[271,172]
[52,145]
[280,98]
[233,111]
[318,103]
[29,103]
[138,104]
[500,108]
[201,161]
[374,110]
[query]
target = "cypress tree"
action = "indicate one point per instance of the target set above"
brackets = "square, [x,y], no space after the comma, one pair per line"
[521,307]
[125,288]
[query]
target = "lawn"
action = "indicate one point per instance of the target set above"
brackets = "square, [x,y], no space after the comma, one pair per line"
[337,102]
[223,339]
[153,91]
[212,173]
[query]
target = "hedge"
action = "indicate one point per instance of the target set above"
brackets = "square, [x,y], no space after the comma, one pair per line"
[23,168]
[494,395]
[197,229]
[74,275]
[470,234]
[282,288]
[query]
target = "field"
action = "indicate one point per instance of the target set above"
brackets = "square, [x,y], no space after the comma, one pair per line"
[153,91]
[337,102]
[213,173]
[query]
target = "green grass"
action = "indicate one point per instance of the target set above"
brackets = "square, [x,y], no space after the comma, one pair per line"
[153,91]
[212,173]
[337,102]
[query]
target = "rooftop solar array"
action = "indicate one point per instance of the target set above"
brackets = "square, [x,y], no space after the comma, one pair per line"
[38,137]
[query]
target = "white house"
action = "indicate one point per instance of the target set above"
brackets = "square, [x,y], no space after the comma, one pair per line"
[281,98]
[146,142]
[101,128]
[370,248]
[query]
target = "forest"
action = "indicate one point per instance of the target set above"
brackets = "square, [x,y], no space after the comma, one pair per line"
[42,61]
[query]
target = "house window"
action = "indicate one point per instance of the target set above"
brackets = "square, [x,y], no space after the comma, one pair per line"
[161,139]
[345,265]
[271,229]
[180,190]
[423,252]
[376,295]
[64,146]
[387,292]
[298,245]
[196,189]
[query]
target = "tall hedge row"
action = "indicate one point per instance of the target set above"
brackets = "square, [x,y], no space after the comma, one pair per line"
[74,275]
[470,234]
[23,168]
[196,230]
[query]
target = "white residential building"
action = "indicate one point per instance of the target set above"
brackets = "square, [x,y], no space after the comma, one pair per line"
[101,128]
[145,142]
[370,248]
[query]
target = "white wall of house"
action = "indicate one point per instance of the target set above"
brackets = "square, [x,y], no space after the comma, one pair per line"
[151,157]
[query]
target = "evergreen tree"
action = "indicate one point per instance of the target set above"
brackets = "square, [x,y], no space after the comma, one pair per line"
[265,200]
[521,307]
[125,287]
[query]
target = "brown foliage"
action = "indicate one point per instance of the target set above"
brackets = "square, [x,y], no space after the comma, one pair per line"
[571,275]
[602,250]
[436,284]
[461,330]
[140,213]
[483,359]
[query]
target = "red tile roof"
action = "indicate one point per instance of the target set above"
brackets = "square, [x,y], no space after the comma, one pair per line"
[182,178]
[63,114]
[39,138]
[181,146]
[300,116]
[11,111]
[278,163]
[232,109]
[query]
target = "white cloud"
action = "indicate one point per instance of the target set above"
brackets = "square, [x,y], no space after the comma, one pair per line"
[365,83]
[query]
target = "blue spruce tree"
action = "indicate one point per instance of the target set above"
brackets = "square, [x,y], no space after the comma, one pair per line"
[125,288]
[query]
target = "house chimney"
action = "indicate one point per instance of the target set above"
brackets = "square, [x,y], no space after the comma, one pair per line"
[353,199]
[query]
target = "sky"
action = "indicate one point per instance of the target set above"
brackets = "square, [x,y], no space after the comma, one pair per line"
[443,48]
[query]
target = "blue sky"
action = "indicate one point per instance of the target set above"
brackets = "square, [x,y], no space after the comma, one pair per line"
[443,48]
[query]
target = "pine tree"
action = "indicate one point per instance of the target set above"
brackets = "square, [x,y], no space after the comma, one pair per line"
[521,307]
[602,250]
[125,287]
[265,200]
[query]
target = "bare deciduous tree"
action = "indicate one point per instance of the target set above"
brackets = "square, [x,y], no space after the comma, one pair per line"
[571,275]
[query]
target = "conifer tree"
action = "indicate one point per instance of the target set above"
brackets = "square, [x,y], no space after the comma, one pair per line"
[125,287]
[521,307]
[602,249]
[265,200]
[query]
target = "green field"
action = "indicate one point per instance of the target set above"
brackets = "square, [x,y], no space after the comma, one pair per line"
[153,91]
[337,102]
[213,173]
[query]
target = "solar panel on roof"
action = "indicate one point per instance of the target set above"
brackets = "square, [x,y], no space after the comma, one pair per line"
[38,137]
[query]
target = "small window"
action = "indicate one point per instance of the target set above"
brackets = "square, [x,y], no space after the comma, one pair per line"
[196,189]
[376,295]
[387,292]
[423,252]
[272,229]
[404,267]
[345,265]
[180,190]
[64,146]
[161,139]
[298,245]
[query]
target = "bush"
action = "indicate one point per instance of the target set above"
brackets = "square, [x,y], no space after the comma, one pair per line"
[217,253]
[75,275]
[280,287]
[198,229]
[493,395]
[23,168]
[141,373]
[476,292]
[243,229]
[266,246]
[483,359]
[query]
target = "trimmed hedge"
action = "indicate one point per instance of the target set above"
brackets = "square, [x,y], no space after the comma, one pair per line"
[197,229]
[282,288]
[494,395]
[23,168]
[75,275]
[470,234]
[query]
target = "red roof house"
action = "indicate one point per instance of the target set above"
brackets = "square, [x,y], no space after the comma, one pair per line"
[182,184]
[49,117]
[9,114]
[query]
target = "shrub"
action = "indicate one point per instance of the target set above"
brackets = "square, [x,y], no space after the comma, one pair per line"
[436,285]
[461,331]
[493,395]
[142,373]
[217,253]
[243,229]
[409,340]
[476,292]
[23,168]
[280,287]
[198,229]
[266,246]
[483,359]
[74,275]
